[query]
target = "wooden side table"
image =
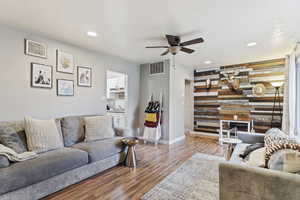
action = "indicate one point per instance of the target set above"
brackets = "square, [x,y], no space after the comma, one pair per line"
[131,156]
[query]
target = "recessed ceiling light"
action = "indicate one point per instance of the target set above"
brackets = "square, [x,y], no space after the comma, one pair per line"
[251,44]
[208,62]
[92,34]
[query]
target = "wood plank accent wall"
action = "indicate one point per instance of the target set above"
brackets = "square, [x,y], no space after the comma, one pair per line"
[219,102]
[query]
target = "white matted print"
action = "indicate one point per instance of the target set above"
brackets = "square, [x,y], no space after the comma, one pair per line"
[84,76]
[64,62]
[41,75]
[36,49]
[65,87]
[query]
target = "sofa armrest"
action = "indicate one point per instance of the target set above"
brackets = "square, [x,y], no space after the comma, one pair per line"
[122,132]
[241,182]
[251,138]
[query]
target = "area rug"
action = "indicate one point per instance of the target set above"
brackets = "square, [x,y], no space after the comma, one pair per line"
[196,179]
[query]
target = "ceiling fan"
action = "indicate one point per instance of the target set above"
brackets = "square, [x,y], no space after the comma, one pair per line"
[175,45]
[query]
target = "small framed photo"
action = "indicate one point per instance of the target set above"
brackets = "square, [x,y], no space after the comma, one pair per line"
[37,49]
[64,62]
[65,87]
[84,76]
[41,76]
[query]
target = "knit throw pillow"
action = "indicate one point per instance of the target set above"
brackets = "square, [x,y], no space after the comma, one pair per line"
[42,135]
[281,144]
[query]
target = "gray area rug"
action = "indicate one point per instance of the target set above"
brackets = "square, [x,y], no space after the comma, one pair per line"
[196,179]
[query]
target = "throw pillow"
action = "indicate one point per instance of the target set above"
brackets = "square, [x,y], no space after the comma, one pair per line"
[97,128]
[13,139]
[287,160]
[4,162]
[42,135]
[274,135]
[250,148]
[277,145]
[72,130]
[257,158]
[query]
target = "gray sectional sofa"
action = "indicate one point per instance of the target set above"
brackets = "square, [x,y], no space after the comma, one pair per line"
[54,170]
[238,181]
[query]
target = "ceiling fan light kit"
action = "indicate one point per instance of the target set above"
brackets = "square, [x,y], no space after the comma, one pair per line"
[175,45]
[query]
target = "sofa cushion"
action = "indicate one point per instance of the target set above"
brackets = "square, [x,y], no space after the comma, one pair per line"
[46,165]
[73,130]
[239,149]
[101,149]
[251,148]
[13,138]
[257,158]
[287,160]
[4,162]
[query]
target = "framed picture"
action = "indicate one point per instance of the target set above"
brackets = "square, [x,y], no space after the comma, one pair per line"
[36,49]
[65,87]
[41,76]
[84,76]
[64,62]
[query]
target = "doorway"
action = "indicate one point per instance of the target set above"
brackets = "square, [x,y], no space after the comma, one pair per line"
[117,100]
[188,106]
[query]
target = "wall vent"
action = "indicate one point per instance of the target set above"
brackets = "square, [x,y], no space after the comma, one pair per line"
[156,68]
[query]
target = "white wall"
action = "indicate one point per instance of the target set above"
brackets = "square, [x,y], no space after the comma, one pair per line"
[19,99]
[172,84]
[178,75]
[155,85]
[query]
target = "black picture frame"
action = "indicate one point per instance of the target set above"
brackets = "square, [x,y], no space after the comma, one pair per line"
[58,54]
[27,52]
[36,85]
[58,90]
[78,78]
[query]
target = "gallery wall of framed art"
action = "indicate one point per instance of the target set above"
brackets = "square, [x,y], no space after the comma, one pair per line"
[42,74]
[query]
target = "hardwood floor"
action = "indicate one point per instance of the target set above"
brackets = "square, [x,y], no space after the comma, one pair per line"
[154,164]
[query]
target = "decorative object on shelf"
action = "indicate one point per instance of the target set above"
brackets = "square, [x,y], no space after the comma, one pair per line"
[277,86]
[64,62]
[41,76]
[235,117]
[259,90]
[37,49]
[65,87]
[208,83]
[84,76]
[232,82]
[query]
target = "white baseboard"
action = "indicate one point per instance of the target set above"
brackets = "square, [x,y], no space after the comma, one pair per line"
[172,141]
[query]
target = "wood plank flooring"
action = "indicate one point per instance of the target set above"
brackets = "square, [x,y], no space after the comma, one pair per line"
[154,164]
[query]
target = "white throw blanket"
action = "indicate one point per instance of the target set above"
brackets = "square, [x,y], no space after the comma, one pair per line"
[14,156]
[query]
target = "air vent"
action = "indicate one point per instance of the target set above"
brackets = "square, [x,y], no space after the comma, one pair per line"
[157,68]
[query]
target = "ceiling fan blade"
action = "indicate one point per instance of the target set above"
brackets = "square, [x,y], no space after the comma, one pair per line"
[158,47]
[187,50]
[165,53]
[173,40]
[195,41]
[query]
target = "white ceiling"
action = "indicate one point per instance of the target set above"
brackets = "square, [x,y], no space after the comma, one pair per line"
[125,27]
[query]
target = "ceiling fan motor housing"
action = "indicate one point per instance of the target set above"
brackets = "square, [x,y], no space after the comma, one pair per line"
[174,50]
